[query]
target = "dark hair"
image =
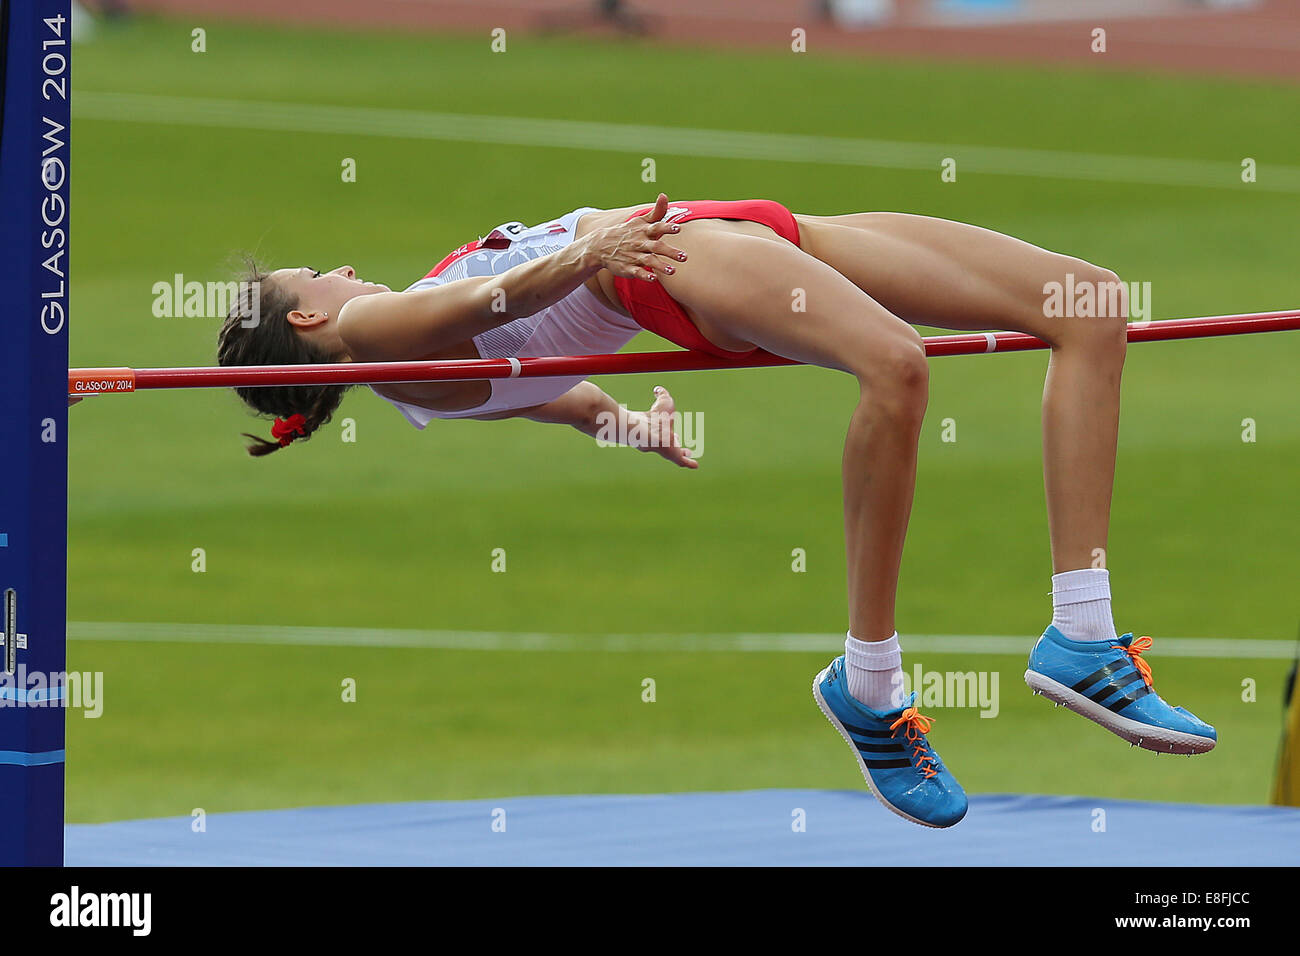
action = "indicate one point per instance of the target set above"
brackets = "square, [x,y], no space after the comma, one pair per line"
[257,331]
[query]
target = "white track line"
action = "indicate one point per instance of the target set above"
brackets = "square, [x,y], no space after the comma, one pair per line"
[671,140]
[528,641]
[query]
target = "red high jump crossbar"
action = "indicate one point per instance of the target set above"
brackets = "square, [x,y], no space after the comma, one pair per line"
[94,381]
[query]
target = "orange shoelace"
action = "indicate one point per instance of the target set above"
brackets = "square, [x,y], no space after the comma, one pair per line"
[915,726]
[1134,652]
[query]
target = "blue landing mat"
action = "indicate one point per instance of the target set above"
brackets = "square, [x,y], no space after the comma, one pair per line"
[747,828]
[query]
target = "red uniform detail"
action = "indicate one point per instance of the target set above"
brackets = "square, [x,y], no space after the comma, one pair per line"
[658,312]
[495,241]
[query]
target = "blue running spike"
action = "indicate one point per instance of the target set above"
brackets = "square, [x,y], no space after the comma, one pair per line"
[1109,683]
[893,752]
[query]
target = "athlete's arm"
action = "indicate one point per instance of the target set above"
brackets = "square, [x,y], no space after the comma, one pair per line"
[397,325]
[588,409]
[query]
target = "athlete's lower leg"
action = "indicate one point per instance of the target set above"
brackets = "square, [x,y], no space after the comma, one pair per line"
[879,480]
[957,276]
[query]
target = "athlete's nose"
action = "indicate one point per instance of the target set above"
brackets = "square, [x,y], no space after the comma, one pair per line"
[347,271]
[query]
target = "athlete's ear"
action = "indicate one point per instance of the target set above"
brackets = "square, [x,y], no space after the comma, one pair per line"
[307,320]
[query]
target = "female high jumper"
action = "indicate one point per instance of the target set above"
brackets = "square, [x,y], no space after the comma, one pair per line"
[722,277]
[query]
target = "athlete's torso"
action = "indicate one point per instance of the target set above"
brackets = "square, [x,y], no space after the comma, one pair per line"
[589,320]
[582,322]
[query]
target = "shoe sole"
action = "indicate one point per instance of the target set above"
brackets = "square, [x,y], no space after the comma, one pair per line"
[866,775]
[1147,736]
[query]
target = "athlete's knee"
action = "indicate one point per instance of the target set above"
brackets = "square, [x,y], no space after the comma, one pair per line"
[1108,330]
[1096,319]
[895,378]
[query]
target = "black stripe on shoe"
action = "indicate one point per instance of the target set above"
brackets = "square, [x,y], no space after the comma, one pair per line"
[887,764]
[896,748]
[1111,668]
[1115,684]
[863,732]
[1121,702]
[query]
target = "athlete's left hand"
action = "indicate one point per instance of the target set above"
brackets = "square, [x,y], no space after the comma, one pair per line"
[655,430]
[636,249]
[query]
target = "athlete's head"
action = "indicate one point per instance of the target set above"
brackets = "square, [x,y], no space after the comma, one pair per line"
[290,317]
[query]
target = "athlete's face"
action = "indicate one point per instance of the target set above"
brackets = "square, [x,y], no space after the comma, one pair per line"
[324,293]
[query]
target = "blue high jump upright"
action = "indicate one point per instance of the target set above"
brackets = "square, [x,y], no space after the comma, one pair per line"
[35,39]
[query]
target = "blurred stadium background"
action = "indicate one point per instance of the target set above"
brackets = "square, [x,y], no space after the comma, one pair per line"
[383,546]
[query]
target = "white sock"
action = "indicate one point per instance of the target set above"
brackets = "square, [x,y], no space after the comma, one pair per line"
[1081,605]
[875,672]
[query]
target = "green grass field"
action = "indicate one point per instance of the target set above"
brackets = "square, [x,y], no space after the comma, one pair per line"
[397,529]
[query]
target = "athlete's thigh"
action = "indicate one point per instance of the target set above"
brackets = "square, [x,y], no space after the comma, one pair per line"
[743,290]
[943,273]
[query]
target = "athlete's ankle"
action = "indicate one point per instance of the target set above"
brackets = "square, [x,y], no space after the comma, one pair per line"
[1081,605]
[874,670]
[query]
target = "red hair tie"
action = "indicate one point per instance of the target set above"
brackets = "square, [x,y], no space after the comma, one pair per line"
[286,430]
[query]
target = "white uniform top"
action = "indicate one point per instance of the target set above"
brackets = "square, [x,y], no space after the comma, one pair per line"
[579,324]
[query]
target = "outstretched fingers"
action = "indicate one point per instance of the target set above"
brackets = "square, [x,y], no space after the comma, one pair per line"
[635,249]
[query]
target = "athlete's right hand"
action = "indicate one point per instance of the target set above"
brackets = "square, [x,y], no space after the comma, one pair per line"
[656,430]
[635,249]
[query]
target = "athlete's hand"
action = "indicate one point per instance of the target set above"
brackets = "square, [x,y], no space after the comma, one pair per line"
[654,431]
[635,249]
